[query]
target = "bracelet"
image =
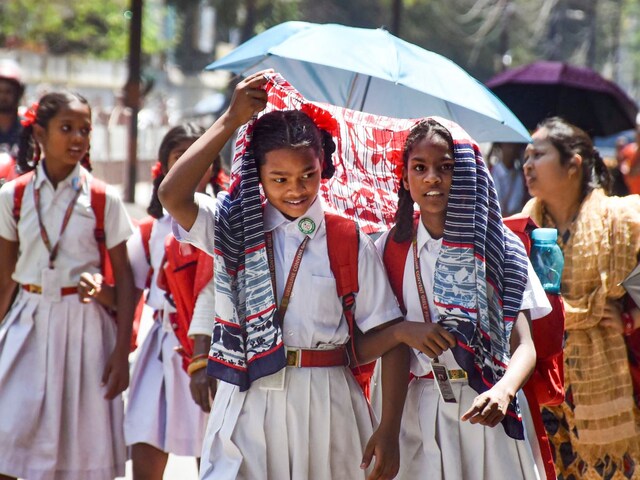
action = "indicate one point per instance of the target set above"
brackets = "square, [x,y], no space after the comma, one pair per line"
[198,357]
[629,324]
[196,365]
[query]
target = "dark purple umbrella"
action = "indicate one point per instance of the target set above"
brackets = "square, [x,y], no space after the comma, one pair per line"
[543,89]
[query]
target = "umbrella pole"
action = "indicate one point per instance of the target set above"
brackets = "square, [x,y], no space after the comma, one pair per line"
[366,91]
[352,87]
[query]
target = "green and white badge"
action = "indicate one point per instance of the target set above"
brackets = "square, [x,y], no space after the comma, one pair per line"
[307,226]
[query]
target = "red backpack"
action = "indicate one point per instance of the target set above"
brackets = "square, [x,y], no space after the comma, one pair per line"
[186,271]
[547,380]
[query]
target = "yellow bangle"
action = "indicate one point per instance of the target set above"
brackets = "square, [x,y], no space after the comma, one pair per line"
[196,365]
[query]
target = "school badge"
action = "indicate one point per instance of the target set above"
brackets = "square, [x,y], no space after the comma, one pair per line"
[307,226]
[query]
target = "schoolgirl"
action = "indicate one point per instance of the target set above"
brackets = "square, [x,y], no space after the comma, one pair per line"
[468,291]
[63,363]
[161,417]
[308,420]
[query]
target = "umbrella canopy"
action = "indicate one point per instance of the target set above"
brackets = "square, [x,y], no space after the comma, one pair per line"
[543,89]
[375,72]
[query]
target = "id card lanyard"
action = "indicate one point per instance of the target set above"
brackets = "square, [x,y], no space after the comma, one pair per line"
[53,249]
[440,371]
[276,381]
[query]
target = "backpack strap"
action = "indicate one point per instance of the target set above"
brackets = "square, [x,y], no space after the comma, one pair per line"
[395,259]
[20,184]
[522,225]
[343,245]
[146,226]
[98,205]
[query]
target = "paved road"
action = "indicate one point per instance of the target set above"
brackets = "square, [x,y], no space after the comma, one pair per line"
[178,468]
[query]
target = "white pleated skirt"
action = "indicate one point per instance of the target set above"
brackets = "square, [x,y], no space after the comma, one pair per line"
[160,410]
[436,445]
[315,428]
[55,423]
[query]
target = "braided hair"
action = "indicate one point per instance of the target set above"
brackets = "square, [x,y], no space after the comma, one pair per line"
[570,140]
[48,107]
[174,137]
[403,229]
[292,129]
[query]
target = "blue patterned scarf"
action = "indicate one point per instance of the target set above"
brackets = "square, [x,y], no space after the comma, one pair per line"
[478,251]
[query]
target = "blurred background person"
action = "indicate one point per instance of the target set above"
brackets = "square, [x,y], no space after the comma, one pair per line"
[11,91]
[630,163]
[614,163]
[508,178]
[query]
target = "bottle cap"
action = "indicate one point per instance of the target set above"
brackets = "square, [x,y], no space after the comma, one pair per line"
[545,234]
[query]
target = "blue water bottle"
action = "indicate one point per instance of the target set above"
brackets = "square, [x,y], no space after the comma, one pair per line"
[547,258]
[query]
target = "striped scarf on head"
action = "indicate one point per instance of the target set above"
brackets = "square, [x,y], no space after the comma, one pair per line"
[479,251]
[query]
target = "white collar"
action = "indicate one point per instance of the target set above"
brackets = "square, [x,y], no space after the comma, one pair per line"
[424,239]
[273,218]
[72,180]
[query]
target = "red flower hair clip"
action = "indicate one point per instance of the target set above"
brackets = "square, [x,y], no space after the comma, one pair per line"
[156,170]
[396,160]
[322,118]
[30,115]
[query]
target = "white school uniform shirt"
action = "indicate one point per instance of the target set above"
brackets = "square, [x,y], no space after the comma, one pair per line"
[314,314]
[161,228]
[204,311]
[78,250]
[534,297]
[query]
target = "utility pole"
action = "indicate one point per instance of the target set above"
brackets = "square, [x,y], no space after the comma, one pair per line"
[132,98]
[396,17]
[591,14]
[615,46]
[504,39]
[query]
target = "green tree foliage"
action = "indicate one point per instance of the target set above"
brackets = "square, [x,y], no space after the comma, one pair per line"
[97,28]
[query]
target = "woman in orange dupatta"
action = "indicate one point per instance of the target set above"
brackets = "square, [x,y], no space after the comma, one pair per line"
[595,432]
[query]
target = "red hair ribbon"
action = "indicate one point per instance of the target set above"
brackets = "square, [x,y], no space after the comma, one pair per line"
[322,118]
[156,170]
[30,115]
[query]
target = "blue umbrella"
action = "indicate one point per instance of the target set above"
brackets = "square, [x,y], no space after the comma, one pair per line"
[373,71]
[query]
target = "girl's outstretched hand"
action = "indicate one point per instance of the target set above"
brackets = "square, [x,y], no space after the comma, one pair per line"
[249,98]
[490,407]
[429,338]
[385,447]
[116,373]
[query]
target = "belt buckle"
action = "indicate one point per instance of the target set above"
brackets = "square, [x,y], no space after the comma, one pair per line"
[457,374]
[293,357]
[34,289]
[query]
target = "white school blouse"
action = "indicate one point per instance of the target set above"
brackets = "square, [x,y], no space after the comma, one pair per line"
[161,228]
[314,316]
[204,311]
[534,298]
[78,251]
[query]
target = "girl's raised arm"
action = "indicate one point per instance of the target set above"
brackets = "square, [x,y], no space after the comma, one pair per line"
[179,186]
[8,259]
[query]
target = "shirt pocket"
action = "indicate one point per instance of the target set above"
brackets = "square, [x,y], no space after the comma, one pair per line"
[326,307]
